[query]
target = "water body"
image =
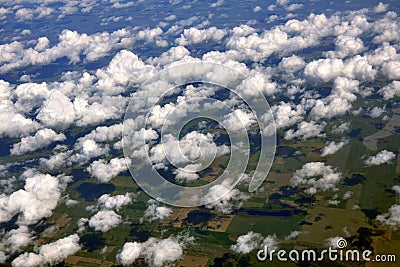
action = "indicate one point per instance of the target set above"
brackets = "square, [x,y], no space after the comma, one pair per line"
[91,191]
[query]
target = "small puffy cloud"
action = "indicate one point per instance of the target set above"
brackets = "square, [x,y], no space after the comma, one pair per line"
[89,149]
[30,96]
[18,238]
[57,112]
[257,9]
[282,2]
[238,119]
[102,134]
[391,90]
[346,46]
[224,199]
[250,241]
[392,218]
[326,70]
[156,212]
[306,130]
[195,36]
[247,243]
[192,146]
[293,7]
[376,112]
[156,252]
[286,114]
[292,235]
[217,4]
[13,123]
[107,202]
[55,161]
[104,220]
[292,64]
[37,200]
[129,253]
[391,69]
[49,254]
[243,30]
[124,70]
[381,7]
[41,139]
[330,107]
[318,176]
[104,171]
[333,147]
[174,54]
[380,158]
[344,127]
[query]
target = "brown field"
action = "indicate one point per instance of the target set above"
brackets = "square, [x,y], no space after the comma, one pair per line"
[193,261]
[332,223]
[219,223]
[73,260]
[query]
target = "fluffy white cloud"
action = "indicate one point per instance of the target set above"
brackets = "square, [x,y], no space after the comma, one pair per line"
[89,149]
[380,158]
[71,45]
[376,112]
[250,241]
[333,147]
[226,199]
[107,202]
[306,130]
[392,217]
[37,200]
[104,220]
[381,7]
[391,69]
[238,119]
[292,64]
[330,107]
[292,235]
[247,243]
[104,171]
[257,9]
[286,114]
[57,112]
[156,252]
[30,96]
[344,127]
[308,174]
[124,70]
[174,54]
[156,212]
[49,254]
[391,90]
[129,253]
[326,70]
[13,123]
[55,161]
[346,46]
[192,146]
[18,238]
[41,139]
[195,36]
